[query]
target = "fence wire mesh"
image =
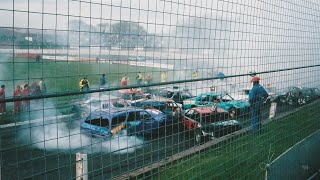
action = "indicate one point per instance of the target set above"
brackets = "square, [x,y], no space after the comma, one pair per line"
[156,89]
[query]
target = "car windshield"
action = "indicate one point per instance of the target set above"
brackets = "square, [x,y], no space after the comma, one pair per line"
[194,115]
[204,98]
[166,94]
[226,98]
[98,119]
[186,95]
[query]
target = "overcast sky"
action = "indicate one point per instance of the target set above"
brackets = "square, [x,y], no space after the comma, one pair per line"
[155,15]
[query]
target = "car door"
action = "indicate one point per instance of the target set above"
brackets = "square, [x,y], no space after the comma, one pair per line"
[118,123]
[134,123]
[189,120]
[96,124]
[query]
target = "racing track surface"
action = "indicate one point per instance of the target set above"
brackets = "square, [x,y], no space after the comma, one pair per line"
[22,158]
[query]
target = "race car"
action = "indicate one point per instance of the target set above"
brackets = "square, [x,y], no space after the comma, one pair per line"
[296,95]
[98,101]
[133,96]
[129,121]
[209,123]
[168,107]
[176,93]
[221,100]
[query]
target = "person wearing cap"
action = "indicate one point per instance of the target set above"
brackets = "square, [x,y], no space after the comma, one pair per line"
[257,96]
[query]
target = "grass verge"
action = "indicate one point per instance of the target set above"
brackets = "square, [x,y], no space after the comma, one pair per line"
[243,157]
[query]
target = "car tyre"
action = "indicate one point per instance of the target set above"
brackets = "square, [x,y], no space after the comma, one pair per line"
[198,136]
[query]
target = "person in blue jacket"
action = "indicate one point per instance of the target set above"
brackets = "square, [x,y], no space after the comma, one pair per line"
[257,96]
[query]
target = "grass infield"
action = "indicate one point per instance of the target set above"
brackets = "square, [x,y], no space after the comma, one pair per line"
[244,157]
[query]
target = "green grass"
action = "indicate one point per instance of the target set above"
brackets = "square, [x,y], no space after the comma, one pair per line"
[65,76]
[62,76]
[240,157]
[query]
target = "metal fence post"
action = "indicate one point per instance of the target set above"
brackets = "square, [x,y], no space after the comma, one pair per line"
[81,166]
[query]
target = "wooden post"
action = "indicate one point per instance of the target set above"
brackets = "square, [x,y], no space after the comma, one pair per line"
[81,166]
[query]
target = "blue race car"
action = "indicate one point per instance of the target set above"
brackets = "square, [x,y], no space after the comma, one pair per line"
[108,122]
[170,109]
[220,100]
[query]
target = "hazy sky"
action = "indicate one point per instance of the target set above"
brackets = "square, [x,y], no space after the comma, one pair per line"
[155,15]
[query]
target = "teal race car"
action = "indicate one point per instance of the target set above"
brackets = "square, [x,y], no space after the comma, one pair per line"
[221,100]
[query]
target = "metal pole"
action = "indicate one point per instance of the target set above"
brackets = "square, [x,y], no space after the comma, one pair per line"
[272,112]
[81,166]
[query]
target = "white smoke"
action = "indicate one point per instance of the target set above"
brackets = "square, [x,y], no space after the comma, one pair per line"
[60,136]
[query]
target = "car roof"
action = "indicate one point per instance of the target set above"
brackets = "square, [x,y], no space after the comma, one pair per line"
[129,91]
[212,93]
[208,110]
[115,111]
[175,88]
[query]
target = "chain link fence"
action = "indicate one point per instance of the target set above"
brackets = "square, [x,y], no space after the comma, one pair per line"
[161,89]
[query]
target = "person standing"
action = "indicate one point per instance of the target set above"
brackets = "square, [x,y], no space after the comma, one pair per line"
[3,105]
[102,80]
[163,77]
[148,79]
[43,87]
[125,80]
[25,103]
[139,78]
[195,75]
[84,84]
[17,104]
[257,96]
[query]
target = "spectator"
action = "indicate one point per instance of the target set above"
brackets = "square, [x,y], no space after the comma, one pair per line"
[84,84]
[195,75]
[103,80]
[25,103]
[43,87]
[163,77]
[32,87]
[125,80]
[3,105]
[148,79]
[17,104]
[139,78]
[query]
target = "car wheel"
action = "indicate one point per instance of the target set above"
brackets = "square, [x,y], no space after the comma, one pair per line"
[290,101]
[198,136]
[302,101]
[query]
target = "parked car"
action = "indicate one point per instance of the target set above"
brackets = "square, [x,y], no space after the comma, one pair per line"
[98,101]
[177,94]
[105,123]
[221,100]
[296,95]
[133,96]
[168,107]
[208,123]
